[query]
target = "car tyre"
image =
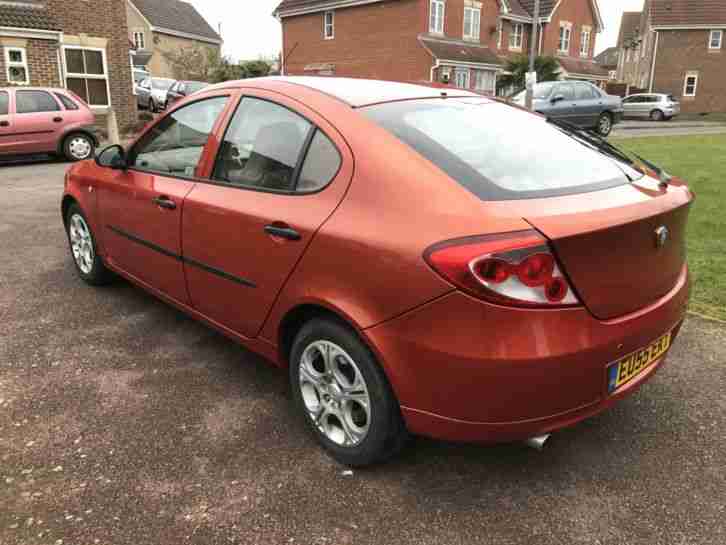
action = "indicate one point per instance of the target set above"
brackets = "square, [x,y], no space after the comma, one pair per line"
[335,378]
[152,106]
[604,124]
[657,115]
[78,147]
[82,243]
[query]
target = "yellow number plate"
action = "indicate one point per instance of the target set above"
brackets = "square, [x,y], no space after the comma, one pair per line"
[629,367]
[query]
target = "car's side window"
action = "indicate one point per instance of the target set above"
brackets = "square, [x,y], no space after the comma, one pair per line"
[322,163]
[68,104]
[566,90]
[584,92]
[262,146]
[4,103]
[175,144]
[30,102]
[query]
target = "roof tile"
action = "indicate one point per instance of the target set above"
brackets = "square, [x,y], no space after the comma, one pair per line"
[177,16]
[688,12]
[26,14]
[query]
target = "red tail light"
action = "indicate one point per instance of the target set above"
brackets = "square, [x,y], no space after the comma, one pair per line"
[516,269]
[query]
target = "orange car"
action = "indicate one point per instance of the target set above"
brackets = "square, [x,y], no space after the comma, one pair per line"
[421,262]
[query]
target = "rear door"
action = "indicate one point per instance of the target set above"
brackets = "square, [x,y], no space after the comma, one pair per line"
[588,105]
[142,207]
[7,142]
[280,171]
[37,122]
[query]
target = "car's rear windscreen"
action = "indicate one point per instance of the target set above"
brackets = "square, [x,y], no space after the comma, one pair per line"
[496,151]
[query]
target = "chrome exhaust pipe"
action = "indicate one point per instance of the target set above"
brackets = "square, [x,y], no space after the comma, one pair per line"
[538,442]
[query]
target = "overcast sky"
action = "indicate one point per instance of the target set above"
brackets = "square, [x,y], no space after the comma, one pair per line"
[250,31]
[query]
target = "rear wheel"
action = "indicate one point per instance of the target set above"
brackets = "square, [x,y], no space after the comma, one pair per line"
[604,124]
[83,247]
[78,147]
[343,395]
[152,106]
[657,115]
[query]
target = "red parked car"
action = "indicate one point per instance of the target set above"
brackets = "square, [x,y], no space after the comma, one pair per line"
[44,120]
[422,261]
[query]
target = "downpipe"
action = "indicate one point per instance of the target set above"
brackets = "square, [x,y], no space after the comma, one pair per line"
[537,442]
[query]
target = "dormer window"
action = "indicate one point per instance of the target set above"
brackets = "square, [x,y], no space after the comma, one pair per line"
[329,25]
[436,19]
[472,23]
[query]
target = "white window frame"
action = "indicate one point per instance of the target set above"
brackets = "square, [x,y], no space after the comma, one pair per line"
[436,20]
[500,33]
[12,64]
[565,38]
[329,28]
[516,39]
[67,74]
[690,75]
[466,73]
[142,35]
[585,37]
[478,80]
[711,34]
[475,24]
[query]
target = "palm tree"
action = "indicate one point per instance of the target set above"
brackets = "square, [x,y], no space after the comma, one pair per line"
[547,68]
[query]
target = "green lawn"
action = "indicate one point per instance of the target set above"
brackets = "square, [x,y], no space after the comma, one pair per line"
[701,161]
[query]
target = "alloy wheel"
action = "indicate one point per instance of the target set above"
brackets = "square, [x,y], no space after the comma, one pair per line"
[80,147]
[81,243]
[335,393]
[604,125]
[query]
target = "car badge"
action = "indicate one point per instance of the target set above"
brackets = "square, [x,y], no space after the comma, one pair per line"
[662,234]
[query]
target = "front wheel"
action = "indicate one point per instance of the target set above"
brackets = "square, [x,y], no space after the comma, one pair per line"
[344,395]
[83,247]
[604,124]
[657,115]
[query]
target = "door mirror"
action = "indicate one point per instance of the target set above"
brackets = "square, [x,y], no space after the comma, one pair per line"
[113,157]
[557,98]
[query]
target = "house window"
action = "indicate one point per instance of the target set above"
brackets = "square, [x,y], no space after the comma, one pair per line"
[436,22]
[86,74]
[565,36]
[472,23]
[500,31]
[715,39]
[139,40]
[485,81]
[16,65]
[691,84]
[329,25]
[515,37]
[461,78]
[585,41]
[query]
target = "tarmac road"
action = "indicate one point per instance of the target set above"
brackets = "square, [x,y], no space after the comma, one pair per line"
[124,422]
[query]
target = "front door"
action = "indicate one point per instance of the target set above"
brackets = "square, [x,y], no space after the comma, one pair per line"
[142,207]
[588,105]
[37,121]
[564,106]
[280,172]
[7,142]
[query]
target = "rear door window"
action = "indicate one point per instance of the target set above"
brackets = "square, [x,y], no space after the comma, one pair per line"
[322,163]
[584,92]
[262,146]
[495,151]
[567,90]
[68,104]
[4,103]
[30,102]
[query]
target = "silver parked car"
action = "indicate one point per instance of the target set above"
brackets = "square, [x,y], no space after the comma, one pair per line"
[655,106]
[577,102]
[151,93]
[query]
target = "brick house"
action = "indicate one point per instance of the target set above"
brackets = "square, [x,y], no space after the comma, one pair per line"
[157,27]
[677,47]
[464,42]
[73,44]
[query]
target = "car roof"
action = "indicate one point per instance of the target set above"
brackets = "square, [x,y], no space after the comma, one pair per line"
[25,88]
[355,92]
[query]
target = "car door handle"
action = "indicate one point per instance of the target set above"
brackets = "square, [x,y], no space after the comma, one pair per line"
[282,230]
[164,202]
[57,120]
[4,123]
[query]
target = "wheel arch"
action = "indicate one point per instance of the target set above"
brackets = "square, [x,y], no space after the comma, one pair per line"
[66,203]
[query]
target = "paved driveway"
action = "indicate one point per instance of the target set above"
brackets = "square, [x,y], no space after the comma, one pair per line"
[124,422]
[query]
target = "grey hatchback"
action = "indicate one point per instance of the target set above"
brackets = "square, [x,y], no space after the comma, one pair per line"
[655,106]
[577,102]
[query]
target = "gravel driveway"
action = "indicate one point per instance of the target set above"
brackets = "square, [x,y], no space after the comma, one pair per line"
[124,422]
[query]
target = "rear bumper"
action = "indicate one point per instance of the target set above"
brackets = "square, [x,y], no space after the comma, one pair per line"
[466,370]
